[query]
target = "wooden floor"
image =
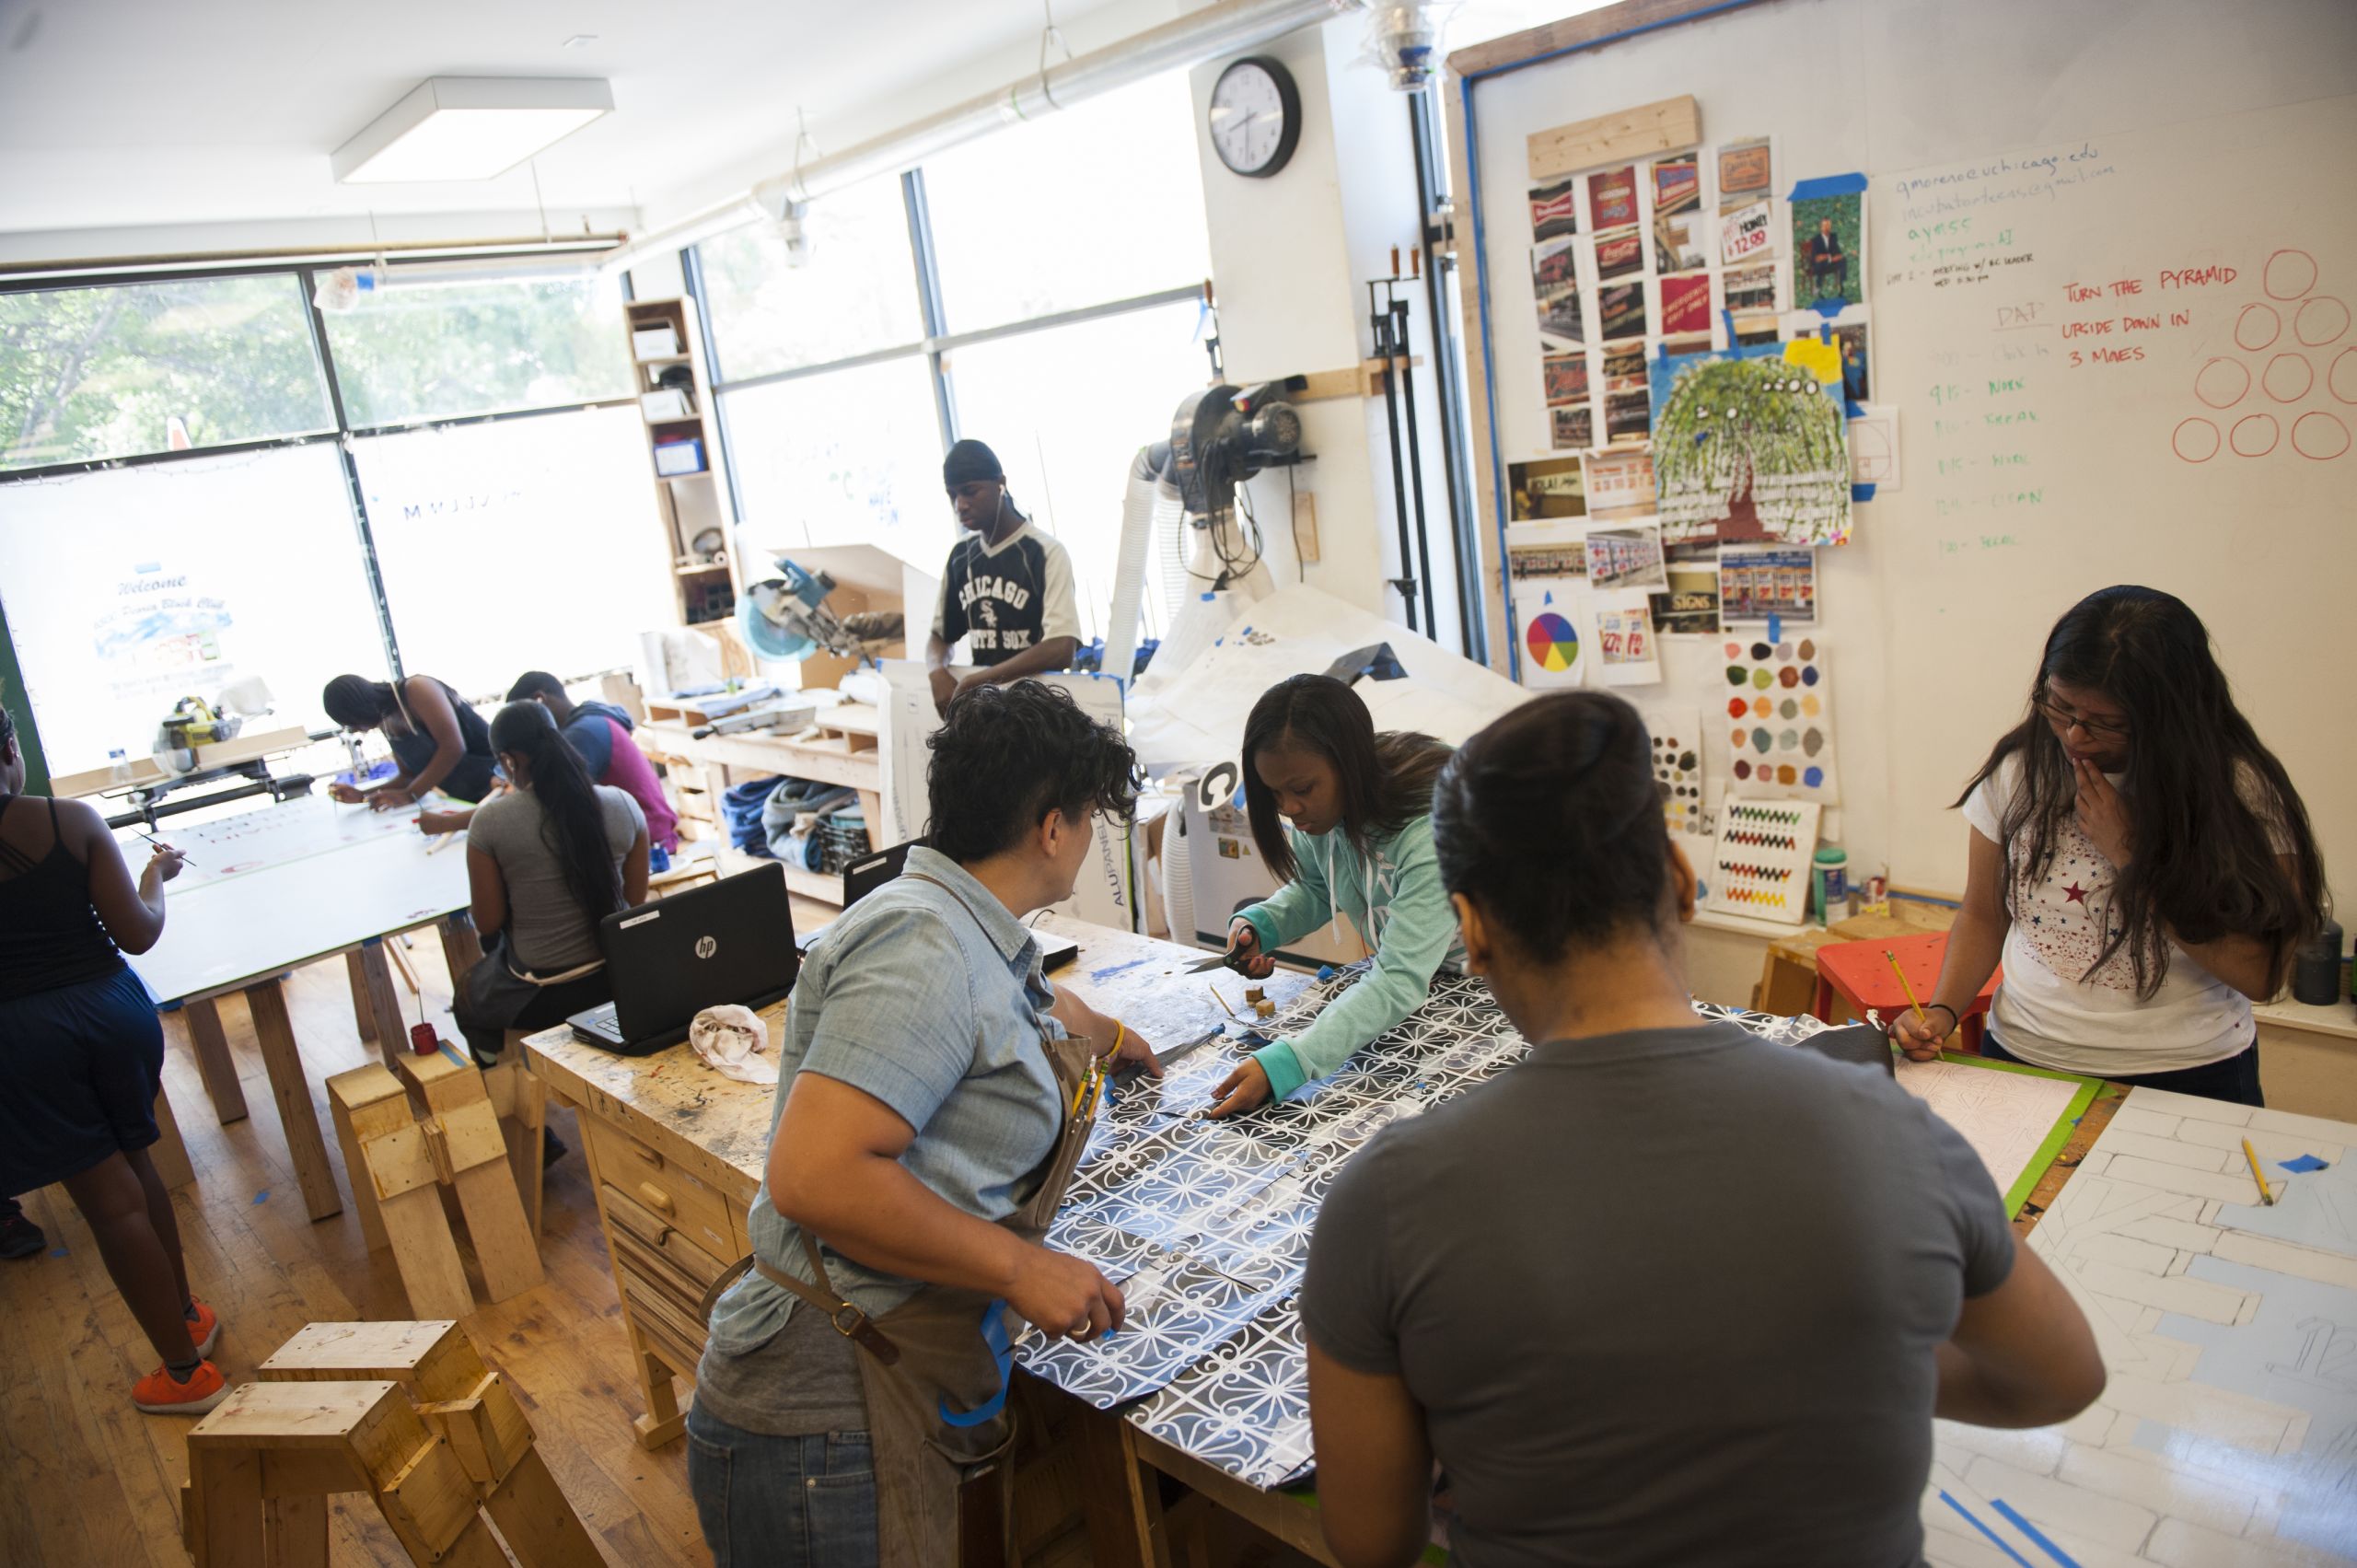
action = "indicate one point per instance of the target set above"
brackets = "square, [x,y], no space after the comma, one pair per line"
[85,1479]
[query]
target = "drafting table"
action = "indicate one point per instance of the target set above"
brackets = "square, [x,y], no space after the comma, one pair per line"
[290,883]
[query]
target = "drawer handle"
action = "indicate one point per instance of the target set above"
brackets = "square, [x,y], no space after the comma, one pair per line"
[655,1198]
[649,1156]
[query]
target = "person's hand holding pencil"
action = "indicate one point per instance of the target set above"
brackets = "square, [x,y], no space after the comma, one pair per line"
[1916,1038]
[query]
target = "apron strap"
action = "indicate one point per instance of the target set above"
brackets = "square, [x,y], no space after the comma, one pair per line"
[848,1321]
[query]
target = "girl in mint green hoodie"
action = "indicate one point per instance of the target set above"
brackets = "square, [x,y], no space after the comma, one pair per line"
[1361,844]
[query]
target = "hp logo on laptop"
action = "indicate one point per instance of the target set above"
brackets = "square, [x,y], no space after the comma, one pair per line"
[706,947]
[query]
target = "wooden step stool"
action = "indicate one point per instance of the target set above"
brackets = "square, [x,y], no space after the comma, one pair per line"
[404,1411]
[408,1154]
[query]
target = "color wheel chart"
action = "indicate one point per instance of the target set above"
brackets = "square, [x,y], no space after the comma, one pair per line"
[1780,719]
[1762,865]
[1553,642]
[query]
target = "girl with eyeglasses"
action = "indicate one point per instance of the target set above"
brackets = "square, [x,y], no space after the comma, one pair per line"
[2139,860]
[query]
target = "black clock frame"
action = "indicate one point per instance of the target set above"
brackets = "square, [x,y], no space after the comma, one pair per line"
[1288,104]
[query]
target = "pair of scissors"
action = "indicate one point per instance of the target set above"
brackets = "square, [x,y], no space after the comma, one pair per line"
[1231,959]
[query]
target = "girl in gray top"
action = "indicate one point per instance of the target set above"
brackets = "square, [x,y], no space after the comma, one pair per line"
[545,862]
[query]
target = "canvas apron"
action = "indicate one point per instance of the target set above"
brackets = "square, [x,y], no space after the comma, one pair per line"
[936,1388]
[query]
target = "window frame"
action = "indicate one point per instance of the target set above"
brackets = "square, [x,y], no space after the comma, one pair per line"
[305,273]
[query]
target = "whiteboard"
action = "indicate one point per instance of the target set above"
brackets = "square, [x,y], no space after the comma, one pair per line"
[2090,143]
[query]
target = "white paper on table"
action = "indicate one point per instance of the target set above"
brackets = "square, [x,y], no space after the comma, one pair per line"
[2004,1116]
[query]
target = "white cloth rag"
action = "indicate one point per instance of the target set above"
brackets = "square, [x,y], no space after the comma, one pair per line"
[734,1043]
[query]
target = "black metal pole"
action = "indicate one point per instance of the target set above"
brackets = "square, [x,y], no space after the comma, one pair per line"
[1415,456]
[1380,320]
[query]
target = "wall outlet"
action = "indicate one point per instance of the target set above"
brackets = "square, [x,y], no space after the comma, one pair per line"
[1304,527]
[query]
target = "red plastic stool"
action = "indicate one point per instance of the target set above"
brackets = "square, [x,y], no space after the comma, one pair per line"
[1855,973]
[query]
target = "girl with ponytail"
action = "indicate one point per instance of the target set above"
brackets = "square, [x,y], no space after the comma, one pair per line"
[546,861]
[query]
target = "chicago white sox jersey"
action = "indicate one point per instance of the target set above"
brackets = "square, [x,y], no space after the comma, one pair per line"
[1005,600]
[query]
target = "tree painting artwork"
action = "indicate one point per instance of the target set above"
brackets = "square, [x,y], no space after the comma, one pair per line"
[1749,447]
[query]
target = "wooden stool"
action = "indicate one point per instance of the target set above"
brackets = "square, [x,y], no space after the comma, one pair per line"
[404,1411]
[1855,976]
[458,1142]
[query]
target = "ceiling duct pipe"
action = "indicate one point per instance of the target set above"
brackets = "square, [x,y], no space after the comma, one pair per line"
[1226,28]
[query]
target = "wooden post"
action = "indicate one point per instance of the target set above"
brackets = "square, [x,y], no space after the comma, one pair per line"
[395,1162]
[462,950]
[211,1048]
[1124,1507]
[393,1032]
[364,1014]
[521,1100]
[664,1420]
[473,1157]
[342,1097]
[168,1153]
[296,1115]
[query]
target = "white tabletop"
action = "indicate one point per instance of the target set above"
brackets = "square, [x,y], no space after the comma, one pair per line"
[271,888]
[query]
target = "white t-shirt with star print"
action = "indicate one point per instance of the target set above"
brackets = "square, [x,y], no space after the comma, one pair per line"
[2050,1011]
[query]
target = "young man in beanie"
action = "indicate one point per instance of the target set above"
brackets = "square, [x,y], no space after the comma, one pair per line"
[1007,589]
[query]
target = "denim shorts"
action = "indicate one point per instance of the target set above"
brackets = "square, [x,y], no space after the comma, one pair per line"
[781,1501]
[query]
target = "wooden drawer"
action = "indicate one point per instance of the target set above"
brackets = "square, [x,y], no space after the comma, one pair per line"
[663,1247]
[671,1194]
[674,1334]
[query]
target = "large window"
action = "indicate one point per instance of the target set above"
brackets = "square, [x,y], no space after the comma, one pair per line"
[842,456]
[1102,202]
[855,293]
[522,544]
[449,350]
[130,588]
[833,394]
[121,371]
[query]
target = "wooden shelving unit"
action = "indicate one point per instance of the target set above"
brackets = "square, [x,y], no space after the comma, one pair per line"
[696,502]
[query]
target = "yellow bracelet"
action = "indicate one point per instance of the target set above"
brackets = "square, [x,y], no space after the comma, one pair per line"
[1121,1033]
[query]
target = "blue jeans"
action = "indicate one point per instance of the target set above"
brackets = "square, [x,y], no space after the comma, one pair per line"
[781,1501]
[2233,1080]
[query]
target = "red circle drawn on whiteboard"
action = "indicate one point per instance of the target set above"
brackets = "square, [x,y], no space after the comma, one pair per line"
[2288,377]
[2221,382]
[2321,436]
[2256,327]
[2255,436]
[2321,320]
[2343,376]
[2195,440]
[2289,274]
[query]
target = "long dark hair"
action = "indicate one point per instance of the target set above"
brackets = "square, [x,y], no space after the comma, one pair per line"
[355,701]
[571,823]
[1549,818]
[1387,778]
[2206,801]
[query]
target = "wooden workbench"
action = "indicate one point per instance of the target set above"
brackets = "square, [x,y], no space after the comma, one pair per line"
[676,1152]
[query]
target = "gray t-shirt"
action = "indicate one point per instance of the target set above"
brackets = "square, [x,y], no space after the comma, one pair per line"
[1665,1296]
[548,932]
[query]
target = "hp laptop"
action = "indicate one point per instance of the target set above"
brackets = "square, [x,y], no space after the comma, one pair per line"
[731,941]
[869,872]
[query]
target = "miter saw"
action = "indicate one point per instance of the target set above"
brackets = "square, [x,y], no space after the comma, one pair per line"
[190,723]
[786,617]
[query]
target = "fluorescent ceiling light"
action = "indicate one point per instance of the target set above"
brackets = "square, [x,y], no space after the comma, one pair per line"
[470,128]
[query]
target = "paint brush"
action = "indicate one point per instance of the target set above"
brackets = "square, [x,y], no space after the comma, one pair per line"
[1892,958]
[159,843]
[2266,1193]
[1223,1004]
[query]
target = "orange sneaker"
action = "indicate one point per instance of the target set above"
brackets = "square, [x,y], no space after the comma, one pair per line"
[159,1393]
[204,1329]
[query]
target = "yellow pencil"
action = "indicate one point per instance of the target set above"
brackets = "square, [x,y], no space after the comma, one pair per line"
[2266,1193]
[1893,960]
[1221,1001]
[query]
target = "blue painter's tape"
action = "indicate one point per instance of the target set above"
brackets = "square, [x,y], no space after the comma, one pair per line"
[261,1197]
[1852,408]
[2035,1534]
[2304,1164]
[1727,317]
[994,1336]
[1829,308]
[1775,627]
[2001,1543]
[1861,494]
[1547,598]
[1208,598]
[1828,185]
[1661,350]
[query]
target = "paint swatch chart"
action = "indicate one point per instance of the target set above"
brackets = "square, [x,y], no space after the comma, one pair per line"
[1779,717]
[1762,865]
[1678,765]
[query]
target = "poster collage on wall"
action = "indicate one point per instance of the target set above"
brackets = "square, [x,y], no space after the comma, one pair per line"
[1705,353]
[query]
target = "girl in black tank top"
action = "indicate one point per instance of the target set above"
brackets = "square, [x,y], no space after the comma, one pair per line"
[410,712]
[83,1056]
